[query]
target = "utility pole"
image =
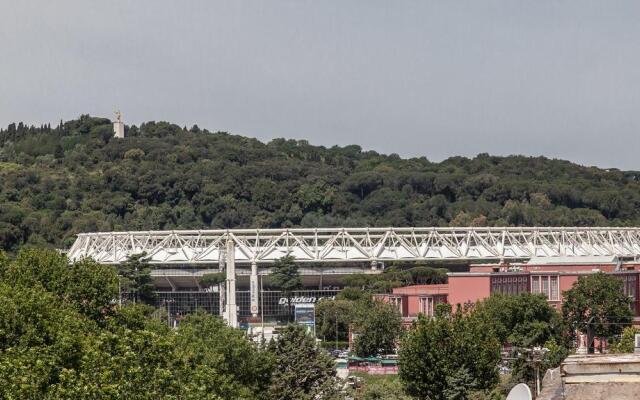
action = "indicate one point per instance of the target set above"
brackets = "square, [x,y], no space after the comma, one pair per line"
[536,356]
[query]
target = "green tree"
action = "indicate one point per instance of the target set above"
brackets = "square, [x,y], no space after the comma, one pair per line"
[135,278]
[166,177]
[212,279]
[523,320]
[598,303]
[333,318]
[90,287]
[302,370]
[557,353]
[40,336]
[285,276]
[353,294]
[62,336]
[131,364]
[227,364]
[378,326]
[626,343]
[383,389]
[35,267]
[428,276]
[449,356]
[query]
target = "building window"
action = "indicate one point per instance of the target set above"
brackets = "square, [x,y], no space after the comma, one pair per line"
[546,285]
[426,305]
[509,284]
[629,285]
[396,301]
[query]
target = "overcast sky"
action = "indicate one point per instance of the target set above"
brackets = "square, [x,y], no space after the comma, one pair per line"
[418,78]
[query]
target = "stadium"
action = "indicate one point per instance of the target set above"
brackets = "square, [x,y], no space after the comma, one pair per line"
[181,258]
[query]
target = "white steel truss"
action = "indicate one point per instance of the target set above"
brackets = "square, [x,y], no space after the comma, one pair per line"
[334,245]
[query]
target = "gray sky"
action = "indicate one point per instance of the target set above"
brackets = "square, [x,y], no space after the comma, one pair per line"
[432,78]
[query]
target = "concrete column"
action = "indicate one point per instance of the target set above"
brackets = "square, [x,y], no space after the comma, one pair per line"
[222,287]
[231,309]
[253,286]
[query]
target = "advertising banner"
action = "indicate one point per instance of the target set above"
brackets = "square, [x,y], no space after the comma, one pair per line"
[305,314]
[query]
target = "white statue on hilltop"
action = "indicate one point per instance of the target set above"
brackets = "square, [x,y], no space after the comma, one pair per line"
[118,126]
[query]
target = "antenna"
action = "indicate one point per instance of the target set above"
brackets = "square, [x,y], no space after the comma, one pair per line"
[520,392]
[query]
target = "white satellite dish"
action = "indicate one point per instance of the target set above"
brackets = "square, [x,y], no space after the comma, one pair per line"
[520,392]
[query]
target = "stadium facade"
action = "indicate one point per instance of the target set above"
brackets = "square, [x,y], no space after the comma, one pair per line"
[182,258]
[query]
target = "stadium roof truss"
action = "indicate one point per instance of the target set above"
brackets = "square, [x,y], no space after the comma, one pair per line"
[333,245]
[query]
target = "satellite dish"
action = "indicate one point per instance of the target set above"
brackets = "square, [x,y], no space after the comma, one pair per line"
[520,392]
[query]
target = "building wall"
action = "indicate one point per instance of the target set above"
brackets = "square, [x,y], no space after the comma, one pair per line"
[468,288]
[570,268]
[566,282]
[422,289]
[410,297]
[548,268]
[471,287]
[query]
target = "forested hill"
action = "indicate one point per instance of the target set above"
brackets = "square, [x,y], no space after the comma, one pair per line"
[56,182]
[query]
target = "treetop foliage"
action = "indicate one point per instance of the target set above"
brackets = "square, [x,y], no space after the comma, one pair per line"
[448,357]
[302,370]
[394,277]
[75,177]
[377,324]
[598,300]
[285,275]
[525,320]
[63,336]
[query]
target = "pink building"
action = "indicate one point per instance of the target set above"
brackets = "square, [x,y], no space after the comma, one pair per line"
[416,299]
[550,276]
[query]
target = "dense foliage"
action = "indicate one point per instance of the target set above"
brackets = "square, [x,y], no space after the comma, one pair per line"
[524,320]
[58,181]
[626,343]
[598,302]
[285,276]
[302,371]
[396,276]
[376,325]
[383,388]
[455,356]
[333,318]
[63,336]
[449,356]
[135,279]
